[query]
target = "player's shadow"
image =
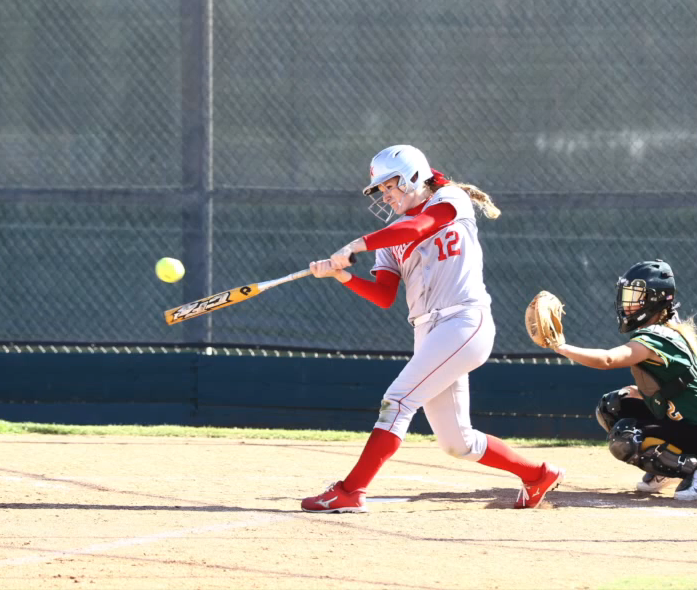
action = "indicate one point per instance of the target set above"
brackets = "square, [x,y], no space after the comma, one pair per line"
[131,507]
[504,498]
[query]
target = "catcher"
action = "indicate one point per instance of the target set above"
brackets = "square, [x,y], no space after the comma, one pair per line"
[652,424]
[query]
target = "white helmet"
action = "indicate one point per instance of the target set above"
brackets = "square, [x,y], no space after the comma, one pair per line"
[404,161]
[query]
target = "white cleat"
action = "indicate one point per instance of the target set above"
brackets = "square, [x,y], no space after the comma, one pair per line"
[687,489]
[651,483]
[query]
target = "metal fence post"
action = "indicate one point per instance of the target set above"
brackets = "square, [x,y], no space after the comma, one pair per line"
[197,215]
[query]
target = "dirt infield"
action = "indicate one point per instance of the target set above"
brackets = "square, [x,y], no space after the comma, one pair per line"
[132,513]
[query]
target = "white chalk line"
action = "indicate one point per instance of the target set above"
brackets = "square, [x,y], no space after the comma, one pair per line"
[665,511]
[35,483]
[421,478]
[259,520]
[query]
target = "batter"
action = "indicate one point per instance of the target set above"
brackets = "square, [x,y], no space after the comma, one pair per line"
[432,246]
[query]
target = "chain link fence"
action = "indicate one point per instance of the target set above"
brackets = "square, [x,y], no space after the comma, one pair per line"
[236,136]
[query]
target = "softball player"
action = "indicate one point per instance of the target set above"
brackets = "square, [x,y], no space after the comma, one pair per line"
[652,425]
[433,247]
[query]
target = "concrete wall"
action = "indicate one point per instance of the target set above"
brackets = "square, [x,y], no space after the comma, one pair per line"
[508,399]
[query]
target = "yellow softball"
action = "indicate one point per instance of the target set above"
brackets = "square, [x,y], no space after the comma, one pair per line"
[169,270]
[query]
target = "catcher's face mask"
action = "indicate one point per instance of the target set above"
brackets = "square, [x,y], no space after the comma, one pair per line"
[632,296]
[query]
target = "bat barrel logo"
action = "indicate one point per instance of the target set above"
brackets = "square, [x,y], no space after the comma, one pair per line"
[211,303]
[193,309]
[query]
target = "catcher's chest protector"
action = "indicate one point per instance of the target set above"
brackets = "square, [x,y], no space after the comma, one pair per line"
[670,346]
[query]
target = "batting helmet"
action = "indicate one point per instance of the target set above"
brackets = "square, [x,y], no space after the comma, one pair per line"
[405,162]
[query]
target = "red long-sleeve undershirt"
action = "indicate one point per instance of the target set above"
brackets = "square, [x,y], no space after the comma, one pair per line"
[383,291]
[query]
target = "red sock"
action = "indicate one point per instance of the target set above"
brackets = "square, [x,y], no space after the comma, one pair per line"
[380,447]
[501,456]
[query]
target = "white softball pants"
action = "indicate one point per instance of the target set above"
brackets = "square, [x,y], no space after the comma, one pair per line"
[437,378]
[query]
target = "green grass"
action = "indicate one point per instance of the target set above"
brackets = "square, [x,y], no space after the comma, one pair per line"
[242,433]
[651,583]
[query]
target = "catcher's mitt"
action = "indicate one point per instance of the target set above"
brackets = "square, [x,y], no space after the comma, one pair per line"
[543,320]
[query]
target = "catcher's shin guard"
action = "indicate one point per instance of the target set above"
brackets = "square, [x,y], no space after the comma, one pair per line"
[607,413]
[628,443]
[666,459]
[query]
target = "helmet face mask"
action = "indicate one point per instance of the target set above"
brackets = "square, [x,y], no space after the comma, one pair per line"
[404,162]
[379,208]
[643,291]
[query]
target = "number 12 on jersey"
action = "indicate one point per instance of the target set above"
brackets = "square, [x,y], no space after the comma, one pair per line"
[451,246]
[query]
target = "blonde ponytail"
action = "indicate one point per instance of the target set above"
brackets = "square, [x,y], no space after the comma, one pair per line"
[687,329]
[479,198]
[482,200]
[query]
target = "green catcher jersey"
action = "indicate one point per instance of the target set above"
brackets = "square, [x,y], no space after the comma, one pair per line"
[676,357]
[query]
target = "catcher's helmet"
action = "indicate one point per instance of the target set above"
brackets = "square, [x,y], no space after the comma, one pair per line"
[644,290]
[405,162]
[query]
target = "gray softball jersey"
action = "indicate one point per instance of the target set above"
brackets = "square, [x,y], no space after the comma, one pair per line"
[444,268]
